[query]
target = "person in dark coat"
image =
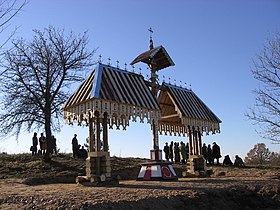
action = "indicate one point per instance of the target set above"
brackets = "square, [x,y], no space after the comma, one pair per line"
[227,161]
[209,155]
[176,152]
[75,146]
[43,144]
[187,151]
[53,145]
[182,150]
[166,151]
[171,151]
[204,151]
[238,161]
[82,153]
[34,144]
[216,152]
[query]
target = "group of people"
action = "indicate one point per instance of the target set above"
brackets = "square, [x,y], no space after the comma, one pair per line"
[176,152]
[237,162]
[42,145]
[179,153]
[211,154]
[78,151]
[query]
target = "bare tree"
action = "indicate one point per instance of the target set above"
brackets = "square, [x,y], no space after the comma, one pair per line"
[36,80]
[275,159]
[258,155]
[266,111]
[8,10]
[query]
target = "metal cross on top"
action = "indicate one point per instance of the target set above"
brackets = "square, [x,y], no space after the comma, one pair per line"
[151,32]
[151,38]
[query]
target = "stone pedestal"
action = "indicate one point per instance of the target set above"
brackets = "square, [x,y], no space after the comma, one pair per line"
[98,166]
[196,165]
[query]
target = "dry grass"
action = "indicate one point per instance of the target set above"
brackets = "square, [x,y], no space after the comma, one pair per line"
[27,182]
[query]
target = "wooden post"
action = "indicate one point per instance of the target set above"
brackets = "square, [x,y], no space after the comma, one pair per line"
[199,141]
[105,132]
[91,140]
[195,141]
[190,141]
[97,131]
[97,141]
[155,135]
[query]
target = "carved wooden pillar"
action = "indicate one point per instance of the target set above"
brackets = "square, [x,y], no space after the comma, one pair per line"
[98,165]
[91,140]
[190,141]
[105,132]
[97,141]
[97,131]
[195,141]
[199,141]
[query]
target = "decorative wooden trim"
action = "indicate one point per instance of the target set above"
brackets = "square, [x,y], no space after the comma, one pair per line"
[204,126]
[118,114]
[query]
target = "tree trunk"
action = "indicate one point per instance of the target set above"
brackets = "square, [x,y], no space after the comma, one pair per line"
[47,157]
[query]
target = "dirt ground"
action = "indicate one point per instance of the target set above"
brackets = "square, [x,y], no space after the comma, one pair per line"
[28,183]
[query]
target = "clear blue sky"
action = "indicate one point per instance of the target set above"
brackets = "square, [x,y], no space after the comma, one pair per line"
[212,44]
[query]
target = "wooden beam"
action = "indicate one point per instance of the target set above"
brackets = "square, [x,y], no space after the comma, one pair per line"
[97,131]
[199,141]
[105,132]
[169,105]
[91,141]
[169,116]
[190,141]
[195,141]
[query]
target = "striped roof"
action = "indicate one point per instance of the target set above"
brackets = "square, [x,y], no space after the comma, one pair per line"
[182,106]
[115,85]
[190,104]
[157,56]
[125,95]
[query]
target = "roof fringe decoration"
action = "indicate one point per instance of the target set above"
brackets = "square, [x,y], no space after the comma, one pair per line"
[118,114]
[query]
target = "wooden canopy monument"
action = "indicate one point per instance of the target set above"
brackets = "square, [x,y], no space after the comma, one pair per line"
[112,97]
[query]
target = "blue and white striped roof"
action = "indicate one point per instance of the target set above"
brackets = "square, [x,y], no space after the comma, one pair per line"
[115,85]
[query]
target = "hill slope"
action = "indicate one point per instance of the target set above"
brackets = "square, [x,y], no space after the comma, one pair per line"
[28,183]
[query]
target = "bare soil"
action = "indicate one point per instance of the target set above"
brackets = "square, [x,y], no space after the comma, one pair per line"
[27,182]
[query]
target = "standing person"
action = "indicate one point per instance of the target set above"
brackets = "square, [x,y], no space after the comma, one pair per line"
[166,151]
[53,146]
[182,149]
[204,151]
[43,144]
[75,146]
[209,154]
[171,151]
[176,152]
[216,152]
[34,144]
[187,151]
